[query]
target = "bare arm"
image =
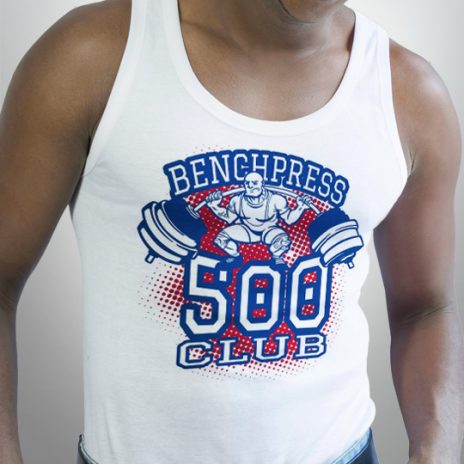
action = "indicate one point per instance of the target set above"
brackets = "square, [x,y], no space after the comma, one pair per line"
[213,201]
[290,216]
[50,112]
[415,246]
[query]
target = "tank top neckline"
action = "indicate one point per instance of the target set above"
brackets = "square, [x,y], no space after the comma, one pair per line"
[208,101]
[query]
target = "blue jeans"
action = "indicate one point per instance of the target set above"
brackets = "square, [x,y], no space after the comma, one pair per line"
[361,452]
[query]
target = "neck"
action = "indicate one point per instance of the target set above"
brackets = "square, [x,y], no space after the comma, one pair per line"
[267,25]
[256,200]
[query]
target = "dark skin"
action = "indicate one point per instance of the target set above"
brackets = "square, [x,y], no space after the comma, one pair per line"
[268,59]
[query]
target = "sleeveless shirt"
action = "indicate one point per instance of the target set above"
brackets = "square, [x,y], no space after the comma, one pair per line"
[206,342]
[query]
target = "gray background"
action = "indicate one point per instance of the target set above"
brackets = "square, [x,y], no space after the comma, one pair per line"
[50,314]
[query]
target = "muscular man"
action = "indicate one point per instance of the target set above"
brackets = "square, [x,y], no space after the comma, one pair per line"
[275,74]
[256,213]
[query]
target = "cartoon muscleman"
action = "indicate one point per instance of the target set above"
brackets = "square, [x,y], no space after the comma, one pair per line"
[255,214]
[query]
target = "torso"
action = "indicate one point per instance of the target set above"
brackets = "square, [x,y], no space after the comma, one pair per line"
[261,216]
[138,163]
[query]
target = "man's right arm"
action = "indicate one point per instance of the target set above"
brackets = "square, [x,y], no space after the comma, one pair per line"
[226,213]
[52,107]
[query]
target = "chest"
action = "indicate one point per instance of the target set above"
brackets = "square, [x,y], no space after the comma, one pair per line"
[261,212]
[272,85]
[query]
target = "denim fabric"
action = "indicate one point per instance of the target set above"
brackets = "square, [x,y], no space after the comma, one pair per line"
[361,452]
[82,456]
[350,455]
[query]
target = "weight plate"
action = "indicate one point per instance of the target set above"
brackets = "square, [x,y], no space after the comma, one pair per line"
[170,229]
[343,250]
[183,219]
[154,247]
[326,221]
[335,239]
[316,244]
[156,231]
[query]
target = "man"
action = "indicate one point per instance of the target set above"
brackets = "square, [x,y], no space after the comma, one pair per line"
[273,61]
[256,211]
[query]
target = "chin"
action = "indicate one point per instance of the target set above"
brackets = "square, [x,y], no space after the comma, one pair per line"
[254,194]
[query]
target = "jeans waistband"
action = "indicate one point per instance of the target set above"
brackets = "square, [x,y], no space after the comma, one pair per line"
[83,456]
[347,457]
[355,449]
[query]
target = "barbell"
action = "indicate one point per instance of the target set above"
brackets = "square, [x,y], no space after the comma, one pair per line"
[172,230]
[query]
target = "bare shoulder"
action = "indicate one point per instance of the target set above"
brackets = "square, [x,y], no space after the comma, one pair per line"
[70,69]
[95,31]
[50,106]
[92,33]
[424,108]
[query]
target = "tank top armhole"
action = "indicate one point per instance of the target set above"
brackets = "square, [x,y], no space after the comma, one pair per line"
[121,85]
[388,108]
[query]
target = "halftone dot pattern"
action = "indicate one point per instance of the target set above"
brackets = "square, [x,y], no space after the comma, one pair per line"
[162,295]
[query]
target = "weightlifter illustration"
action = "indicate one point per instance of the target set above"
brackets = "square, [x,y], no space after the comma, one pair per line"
[254,215]
[173,229]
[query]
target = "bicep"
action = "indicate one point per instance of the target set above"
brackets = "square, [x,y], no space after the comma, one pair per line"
[281,205]
[415,242]
[43,146]
[232,206]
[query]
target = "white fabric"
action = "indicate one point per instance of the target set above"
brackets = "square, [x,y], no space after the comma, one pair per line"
[144,402]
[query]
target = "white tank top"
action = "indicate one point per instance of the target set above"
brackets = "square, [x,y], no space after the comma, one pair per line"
[200,345]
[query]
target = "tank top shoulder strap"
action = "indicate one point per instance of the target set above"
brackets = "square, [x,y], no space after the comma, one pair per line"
[268,203]
[373,89]
[386,97]
[123,82]
[241,204]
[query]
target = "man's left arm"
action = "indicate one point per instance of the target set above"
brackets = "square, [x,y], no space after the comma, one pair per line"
[290,216]
[415,245]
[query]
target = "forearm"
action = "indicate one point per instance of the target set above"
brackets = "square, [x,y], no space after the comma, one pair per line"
[9,439]
[293,215]
[223,213]
[427,359]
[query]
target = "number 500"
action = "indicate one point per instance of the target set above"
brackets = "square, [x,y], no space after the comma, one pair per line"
[264,297]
